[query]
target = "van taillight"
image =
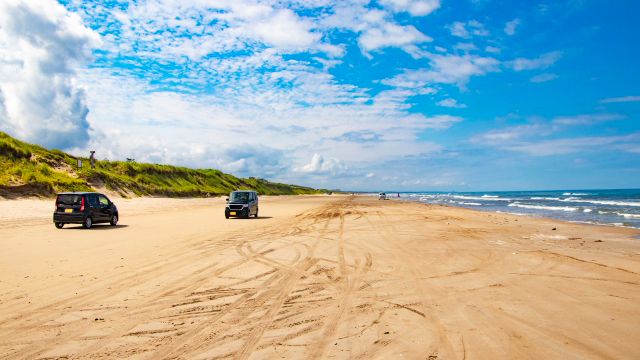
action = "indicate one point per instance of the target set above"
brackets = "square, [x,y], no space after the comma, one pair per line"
[56,209]
[82,204]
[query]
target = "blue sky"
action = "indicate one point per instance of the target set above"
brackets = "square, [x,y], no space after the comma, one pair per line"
[393,95]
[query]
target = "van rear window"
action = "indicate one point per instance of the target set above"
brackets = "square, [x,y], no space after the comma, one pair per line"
[69,199]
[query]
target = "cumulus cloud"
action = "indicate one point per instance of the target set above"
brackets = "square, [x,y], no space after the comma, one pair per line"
[451,103]
[466,30]
[447,69]
[285,29]
[510,28]
[413,7]
[377,31]
[390,35]
[319,166]
[40,98]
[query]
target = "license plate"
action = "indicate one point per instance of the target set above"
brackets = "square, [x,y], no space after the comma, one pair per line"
[68,210]
[232,213]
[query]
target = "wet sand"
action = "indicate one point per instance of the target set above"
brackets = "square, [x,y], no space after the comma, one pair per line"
[315,277]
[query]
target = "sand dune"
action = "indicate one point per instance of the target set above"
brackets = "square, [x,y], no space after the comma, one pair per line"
[315,277]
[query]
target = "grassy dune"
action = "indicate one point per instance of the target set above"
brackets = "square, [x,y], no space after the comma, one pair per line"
[31,170]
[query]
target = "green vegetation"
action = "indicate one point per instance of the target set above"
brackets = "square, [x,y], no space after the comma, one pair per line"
[38,171]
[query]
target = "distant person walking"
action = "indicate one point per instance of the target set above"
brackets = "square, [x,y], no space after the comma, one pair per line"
[398,194]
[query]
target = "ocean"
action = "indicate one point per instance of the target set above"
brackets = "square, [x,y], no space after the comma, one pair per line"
[619,208]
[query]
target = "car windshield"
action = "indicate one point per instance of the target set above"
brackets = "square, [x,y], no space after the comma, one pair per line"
[69,199]
[239,197]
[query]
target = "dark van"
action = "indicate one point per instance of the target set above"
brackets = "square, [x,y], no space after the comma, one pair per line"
[242,203]
[86,208]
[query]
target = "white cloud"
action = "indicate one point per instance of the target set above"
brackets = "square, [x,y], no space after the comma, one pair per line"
[446,69]
[466,47]
[285,29]
[561,146]
[459,29]
[389,34]
[474,28]
[510,28]
[319,166]
[152,125]
[533,138]
[452,103]
[492,49]
[413,7]
[542,62]
[512,134]
[40,99]
[620,99]
[586,119]
[543,78]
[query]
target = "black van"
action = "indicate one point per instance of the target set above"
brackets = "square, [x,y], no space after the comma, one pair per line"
[242,203]
[86,208]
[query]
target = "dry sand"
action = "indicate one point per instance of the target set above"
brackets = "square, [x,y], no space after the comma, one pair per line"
[315,277]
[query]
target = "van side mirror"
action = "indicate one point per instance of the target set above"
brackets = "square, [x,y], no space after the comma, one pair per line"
[227,200]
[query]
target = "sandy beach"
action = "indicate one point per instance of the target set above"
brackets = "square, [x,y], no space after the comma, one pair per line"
[315,277]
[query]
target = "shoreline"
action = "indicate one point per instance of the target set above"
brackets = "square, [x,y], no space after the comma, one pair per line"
[618,208]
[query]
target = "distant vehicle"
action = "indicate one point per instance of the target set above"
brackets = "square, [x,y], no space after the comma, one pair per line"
[86,208]
[382,196]
[242,203]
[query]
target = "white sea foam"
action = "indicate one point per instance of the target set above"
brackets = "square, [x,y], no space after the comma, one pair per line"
[572,199]
[469,203]
[629,216]
[602,202]
[587,210]
[623,225]
[490,196]
[566,194]
[480,198]
[540,207]
[512,213]
[544,198]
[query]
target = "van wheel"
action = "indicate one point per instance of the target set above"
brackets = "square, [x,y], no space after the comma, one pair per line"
[59,225]
[88,222]
[114,220]
[226,215]
[256,215]
[248,213]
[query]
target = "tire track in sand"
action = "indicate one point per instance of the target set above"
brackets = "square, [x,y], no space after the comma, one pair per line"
[252,340]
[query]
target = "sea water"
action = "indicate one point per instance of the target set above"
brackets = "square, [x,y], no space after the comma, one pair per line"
[602,207]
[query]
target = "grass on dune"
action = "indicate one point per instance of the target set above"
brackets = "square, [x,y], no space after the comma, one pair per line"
[51,171]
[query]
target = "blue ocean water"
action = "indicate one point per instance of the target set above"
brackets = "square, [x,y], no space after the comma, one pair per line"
[602,207]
